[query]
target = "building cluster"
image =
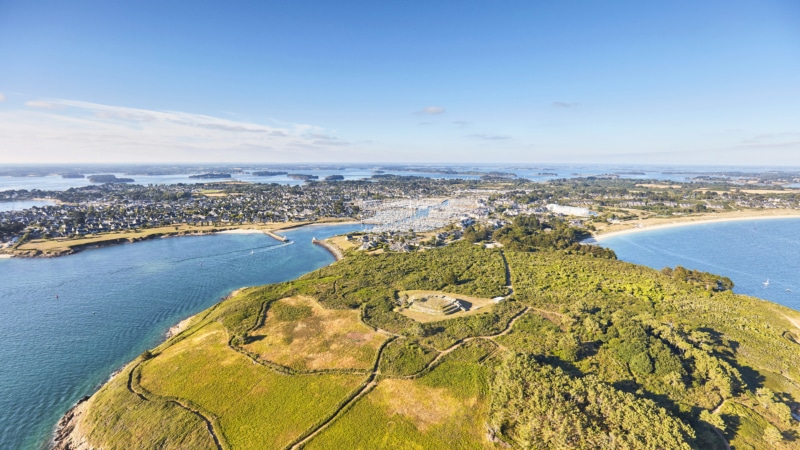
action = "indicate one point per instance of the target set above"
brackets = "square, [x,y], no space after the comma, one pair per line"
[398,209]
[113,207]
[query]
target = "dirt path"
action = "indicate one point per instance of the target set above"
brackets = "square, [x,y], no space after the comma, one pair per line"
[508,273]
[722,436]
[198,414]
[372,381]
[793,321]
[366,390]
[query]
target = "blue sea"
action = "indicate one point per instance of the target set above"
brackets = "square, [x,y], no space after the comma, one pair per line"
[67,323]
[539,173]
[748,252]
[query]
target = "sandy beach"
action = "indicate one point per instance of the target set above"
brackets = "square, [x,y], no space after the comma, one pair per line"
[177,328]
[241,231]
[638,226]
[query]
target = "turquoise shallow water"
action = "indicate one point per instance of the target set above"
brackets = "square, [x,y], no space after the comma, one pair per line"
[748,252]
[113,303]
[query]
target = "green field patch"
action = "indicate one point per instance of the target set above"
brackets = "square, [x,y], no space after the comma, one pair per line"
[116,417]
[256,407]
[405,357]
[299,333]
[445,409]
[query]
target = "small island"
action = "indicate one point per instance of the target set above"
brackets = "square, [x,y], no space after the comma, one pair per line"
[334,178]
[109,179]
[268,173]
[73,175]
[300,176]
[212,175]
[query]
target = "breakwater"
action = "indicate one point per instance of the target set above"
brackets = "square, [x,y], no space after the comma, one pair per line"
[276,236]
[334,250]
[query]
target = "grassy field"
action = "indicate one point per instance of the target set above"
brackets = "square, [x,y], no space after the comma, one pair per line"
[301,334]
[587,348]
[256,407]
[444,409]
[117,417]
[343,243]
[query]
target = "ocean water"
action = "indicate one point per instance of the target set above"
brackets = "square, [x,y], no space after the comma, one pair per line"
[19,205]
[113,303]
[534,173]
[748,252]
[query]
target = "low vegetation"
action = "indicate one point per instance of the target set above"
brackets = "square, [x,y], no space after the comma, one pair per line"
[584,352]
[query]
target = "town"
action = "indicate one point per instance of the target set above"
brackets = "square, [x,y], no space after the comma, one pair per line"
[398,210]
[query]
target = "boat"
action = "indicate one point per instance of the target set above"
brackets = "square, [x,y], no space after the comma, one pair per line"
[766,283]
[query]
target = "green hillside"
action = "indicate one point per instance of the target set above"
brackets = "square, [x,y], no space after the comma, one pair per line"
[584,352]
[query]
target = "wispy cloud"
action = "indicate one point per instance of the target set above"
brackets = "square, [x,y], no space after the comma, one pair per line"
[42,104]
[67,130]
[431,111]
[488,137]
[461,123]
[767,138]
[2,97]
[564,104]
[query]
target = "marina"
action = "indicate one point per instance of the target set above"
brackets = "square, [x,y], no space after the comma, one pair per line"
[422,215]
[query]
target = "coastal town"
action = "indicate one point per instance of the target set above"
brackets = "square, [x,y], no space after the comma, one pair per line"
[398,212]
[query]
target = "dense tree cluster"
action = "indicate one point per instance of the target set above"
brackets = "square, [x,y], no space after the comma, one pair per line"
[540,406]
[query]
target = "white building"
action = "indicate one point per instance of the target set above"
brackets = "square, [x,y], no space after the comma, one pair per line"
[569,210]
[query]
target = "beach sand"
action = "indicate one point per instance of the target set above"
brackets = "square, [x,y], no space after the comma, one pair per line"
[659,223]
[177,328]
[241,231]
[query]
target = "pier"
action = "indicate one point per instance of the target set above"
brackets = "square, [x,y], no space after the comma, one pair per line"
[334,250]
[276,236]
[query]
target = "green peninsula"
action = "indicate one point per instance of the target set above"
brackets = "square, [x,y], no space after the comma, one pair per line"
[528,346]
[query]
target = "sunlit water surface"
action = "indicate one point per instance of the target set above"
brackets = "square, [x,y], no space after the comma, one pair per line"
[748,252]
[67,323]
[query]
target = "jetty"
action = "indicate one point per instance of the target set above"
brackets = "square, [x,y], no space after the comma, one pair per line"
[335,251]
[276,236]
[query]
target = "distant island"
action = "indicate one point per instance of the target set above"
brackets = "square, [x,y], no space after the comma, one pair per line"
[268,173]
[109,179]
[300,176]
[73,175]
[334,178]
[211,175]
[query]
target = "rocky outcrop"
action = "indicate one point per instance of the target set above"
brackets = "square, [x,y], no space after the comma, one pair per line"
[68,435]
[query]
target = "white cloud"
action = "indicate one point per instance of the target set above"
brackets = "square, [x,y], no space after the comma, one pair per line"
[431,110]
[56,130]
[42,104]
[564,104]
[488,137]
[2,97]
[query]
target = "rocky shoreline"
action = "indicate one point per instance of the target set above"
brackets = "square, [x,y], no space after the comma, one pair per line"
[67,435]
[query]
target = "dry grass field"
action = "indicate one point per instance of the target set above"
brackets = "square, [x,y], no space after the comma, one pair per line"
[299,333]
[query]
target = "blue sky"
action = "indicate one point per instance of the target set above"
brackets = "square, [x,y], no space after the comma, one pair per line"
[680,82]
